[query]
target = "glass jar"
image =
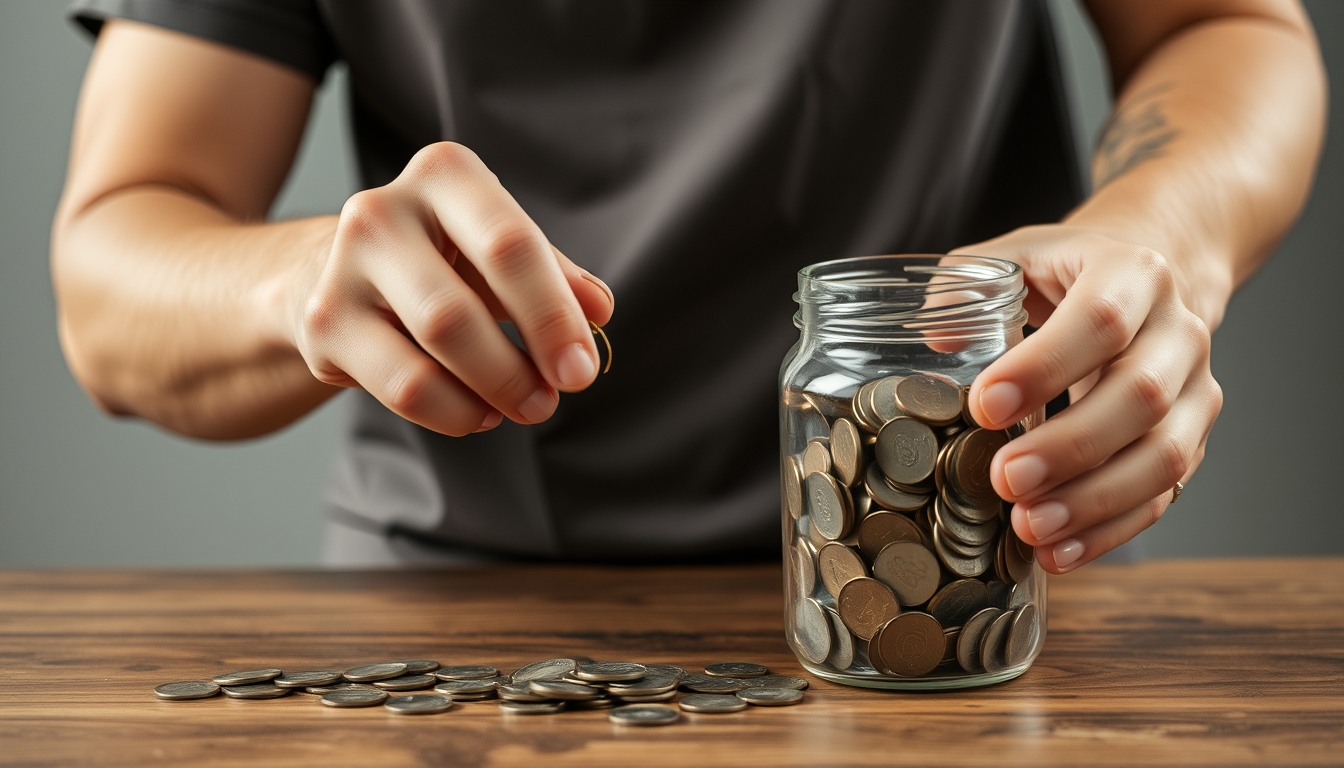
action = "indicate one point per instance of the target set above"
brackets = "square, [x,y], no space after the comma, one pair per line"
[902,567]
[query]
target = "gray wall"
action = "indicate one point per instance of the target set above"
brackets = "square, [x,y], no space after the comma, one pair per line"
[77,488]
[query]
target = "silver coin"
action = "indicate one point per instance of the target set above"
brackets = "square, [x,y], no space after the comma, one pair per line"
[406,683]
[671,670]
[470,697]
[842,649]
[187,690]
[531,708]
[255,691]
[829,505]
[972,633]
[665,696]
[970,534]
[958,601]
[419,704]
[735,669]
[910,570]
[551,669]
[468,687]
[520,692]
[991,645]
[420,666]
[707,684]
[965,567]
[248,677]
[610,671]
[804,568]
[649,686]
[601,702]
[466,672]
[793,487]
[771,697]
[709,703]
[812,630]
[354,697]
[778,681]
[325,689]
[370,672]
[558,689]
[644,714]
[306,679]
[1022,636]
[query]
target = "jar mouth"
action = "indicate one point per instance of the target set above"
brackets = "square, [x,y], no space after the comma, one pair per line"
[911,297]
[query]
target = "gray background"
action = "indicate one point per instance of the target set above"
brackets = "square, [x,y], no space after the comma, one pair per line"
[78,488]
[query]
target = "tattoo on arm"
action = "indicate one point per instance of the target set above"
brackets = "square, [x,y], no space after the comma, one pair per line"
[1136,132]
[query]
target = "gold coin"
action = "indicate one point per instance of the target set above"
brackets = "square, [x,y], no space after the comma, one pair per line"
[829,505]
[882,528]
[906,450]
[793,487]
[866,604]
[887,496]
[932,400]
[910,570]
[846,452]
[958,601]
[838,566]
[970,467]
[912,644]
[816,457]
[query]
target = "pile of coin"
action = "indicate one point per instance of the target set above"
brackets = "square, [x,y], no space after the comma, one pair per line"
[636,694]
[902,561]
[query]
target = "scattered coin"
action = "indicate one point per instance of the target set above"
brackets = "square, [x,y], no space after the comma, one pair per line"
[249,677]
[558,689]
[255,691]
[664,696]
[420,666]
[671,670]
[187,690]
[770,697]
[466,672]
[608,671]
[531,708]
[370,672]
[649,685]
[711,703]
[738,669]
[551,669]
[406,683]
[521,692]
[707,684]
[338,686]
[306,679]
[777,681]
[347,698]
[418,704]
[644,714]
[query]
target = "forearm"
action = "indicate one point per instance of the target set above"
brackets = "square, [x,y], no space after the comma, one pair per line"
[1209,155]
[175,312]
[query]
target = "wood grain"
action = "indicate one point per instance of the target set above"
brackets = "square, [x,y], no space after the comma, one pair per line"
[1233,662]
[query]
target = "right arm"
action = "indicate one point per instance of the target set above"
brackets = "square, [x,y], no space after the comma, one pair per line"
[178,304]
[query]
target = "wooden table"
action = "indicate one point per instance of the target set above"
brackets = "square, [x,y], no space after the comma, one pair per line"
[1191,662]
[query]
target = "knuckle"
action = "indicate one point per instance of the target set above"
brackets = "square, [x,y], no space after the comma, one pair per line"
[516,385]
[1109,322]
[446,321]
[1155,265]
[321,316]
[511,249]
[1082,447]
[410,392]
[366,213]
[1152,511]
[1149,389]
[1172,455]
[439,158]
[1197,334]
[549,321]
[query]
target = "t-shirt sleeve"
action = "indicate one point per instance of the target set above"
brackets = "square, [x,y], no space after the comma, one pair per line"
[290,32]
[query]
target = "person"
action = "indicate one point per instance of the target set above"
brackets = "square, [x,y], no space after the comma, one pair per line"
[694,156]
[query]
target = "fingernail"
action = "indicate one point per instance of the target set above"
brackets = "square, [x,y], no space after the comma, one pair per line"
[590,277]
[538,407]
[1047,517]
[1067,552]
[575,367]
[1000,401]
[1024,473]
[492,420]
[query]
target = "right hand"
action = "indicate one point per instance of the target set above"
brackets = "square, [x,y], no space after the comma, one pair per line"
[408,299]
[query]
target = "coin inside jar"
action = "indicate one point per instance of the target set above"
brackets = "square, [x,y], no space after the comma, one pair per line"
[882,528]
[887,496]
[816,457]
[793,487]
[909,569]
[865,605]
[958,601]
[846,452]
[829,506]
[931,400]
[838,565]
[906,450]
[912,644]
[972,462]
[812,631]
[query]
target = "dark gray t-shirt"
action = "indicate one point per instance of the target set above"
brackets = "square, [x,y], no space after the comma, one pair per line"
[694,155]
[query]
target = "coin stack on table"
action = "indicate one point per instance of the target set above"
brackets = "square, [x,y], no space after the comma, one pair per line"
[902,561]
[636,694]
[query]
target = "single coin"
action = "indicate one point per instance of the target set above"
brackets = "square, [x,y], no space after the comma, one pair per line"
[1022,636]
[838,565]
[817,457]
[910,570]
[811,630]
[650,685]
[965,567]
[966,406]
[187,690]
[643,714]
[609,671]
[932,400]
[306,679]
[866,604]
[842,649]
[648,698]
[906,450]
[248,677]
[991,645]
[737,669]
[325,689]
[882,528]
[804,568]
[419,704]
[846,452]
[551,669]
[558,689]
[888,497]
[829,505]
[912,644]
[971,534]
[884,399]
[958,601]
[970,467]
[671,670]
[711,703]
[531,708]
[874,651]
[354,697]
[406,683]
[770,697]
[521,692]
[420,666]
[778,681]
[466,672]
[793,487]
[370,672]
[266,690]
[707,684]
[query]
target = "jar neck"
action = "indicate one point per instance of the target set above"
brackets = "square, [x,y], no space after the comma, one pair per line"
[910,298]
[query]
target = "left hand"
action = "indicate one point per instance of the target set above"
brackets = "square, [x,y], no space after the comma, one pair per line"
[1115,330]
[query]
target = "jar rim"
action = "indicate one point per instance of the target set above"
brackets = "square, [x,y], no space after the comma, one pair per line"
[1007,270]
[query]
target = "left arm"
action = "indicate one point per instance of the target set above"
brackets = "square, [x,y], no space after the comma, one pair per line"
[1203,166]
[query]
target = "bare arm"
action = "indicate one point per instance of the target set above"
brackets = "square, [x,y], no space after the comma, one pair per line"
[179,304]
[1202,168]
